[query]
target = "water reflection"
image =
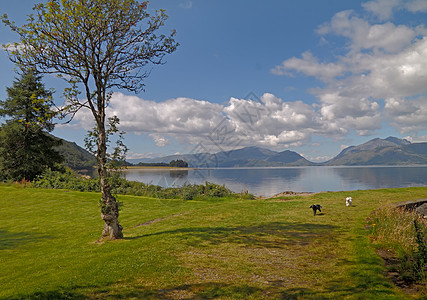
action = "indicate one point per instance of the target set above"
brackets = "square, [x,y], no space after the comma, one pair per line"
[270,181]
[182,174]
[384,177]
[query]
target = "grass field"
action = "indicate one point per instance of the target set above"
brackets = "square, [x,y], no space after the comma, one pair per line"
[174,249]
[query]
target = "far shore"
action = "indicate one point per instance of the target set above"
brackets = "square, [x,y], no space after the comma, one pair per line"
[158,168]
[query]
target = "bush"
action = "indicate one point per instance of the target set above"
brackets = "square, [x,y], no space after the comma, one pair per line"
[403,233]
[66,180]
[72,181]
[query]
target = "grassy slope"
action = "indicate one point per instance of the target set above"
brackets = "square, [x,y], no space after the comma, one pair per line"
[247,249]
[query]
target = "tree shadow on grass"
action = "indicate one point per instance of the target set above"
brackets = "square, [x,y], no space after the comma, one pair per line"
[366,281]
[342,292]
[10,240]
[51,295]
[275,234]
[209,290]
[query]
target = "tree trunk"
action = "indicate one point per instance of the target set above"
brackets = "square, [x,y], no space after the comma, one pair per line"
[109,209]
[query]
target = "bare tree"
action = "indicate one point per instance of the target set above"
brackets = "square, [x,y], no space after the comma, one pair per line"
[97,46]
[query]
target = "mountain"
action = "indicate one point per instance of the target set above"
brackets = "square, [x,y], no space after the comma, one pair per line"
[389,151]
[244,157]
[290,158]
[75,156]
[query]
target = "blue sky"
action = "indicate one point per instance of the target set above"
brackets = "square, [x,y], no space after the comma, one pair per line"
[308,76]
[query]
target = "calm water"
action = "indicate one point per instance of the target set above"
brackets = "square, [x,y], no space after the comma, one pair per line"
[270,181]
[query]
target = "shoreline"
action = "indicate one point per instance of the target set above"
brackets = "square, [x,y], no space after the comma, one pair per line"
[157,168]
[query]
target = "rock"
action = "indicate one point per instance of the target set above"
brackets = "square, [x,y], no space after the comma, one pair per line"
[422,210]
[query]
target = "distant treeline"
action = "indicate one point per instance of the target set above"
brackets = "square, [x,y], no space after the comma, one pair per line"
[175,163]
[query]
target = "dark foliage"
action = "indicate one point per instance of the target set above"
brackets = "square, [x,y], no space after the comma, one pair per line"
[26,148]
[72,181]
[178,163]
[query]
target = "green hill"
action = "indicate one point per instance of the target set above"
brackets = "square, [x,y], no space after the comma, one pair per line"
[75,156]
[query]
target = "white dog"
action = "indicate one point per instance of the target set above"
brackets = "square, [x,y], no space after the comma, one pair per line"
[348,201]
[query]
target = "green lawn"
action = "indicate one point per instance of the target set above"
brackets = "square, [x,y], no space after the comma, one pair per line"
[227,249]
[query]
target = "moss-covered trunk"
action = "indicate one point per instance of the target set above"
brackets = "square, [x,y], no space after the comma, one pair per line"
[109,207]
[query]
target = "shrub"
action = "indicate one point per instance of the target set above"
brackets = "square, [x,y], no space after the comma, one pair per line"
[66,180]
[73,181]
[404,233]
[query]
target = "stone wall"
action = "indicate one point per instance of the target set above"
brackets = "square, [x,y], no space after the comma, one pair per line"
[420,206]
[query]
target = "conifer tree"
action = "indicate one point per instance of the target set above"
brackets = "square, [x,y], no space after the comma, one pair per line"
[26,148]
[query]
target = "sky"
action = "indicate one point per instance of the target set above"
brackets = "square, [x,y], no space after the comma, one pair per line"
[309,76]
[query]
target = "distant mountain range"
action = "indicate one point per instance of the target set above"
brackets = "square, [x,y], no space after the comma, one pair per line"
[389,151]
[245,157]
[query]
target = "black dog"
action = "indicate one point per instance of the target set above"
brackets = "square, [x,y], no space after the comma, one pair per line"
[316,207]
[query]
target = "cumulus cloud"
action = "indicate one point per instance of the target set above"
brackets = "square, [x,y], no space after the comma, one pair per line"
[309,65]
[174,116]
[350,113]
[268,121]
[365,36]
[271,121]
[160,140]
[417,139]
[416,6]
[381,76]
[407,115]
[384,9]
[133,155]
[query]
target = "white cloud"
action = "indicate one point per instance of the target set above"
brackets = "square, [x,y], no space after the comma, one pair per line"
[417,139]
[364,36]
[133,155]
[416,6]
[269,122]
[186,5]
[408,116]
[174,116]
[18,47]
[345,112]
[310,66]
[272,122]
[83,119]
[318,158]
[382,76]
[382,8]
[160,140]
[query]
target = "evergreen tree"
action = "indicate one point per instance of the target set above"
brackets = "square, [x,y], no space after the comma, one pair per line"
[26,148]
